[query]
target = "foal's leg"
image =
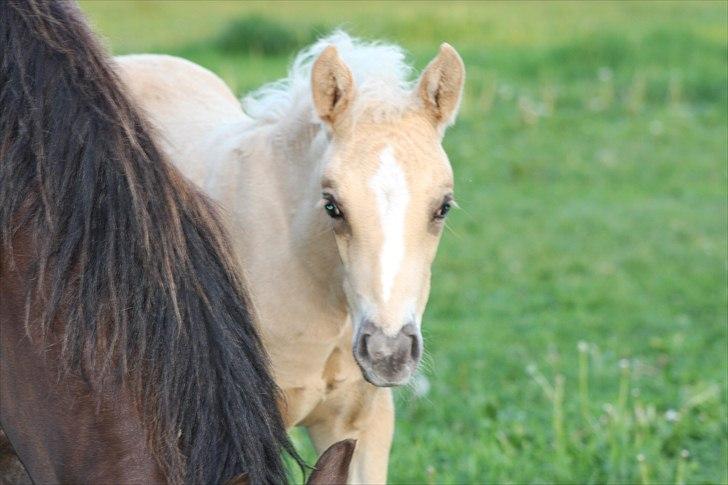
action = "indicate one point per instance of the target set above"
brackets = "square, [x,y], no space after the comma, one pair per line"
[362,412]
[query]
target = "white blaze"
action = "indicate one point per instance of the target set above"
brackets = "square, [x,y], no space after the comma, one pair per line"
[390,188]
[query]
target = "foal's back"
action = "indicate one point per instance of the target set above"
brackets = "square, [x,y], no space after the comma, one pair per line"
[185,102]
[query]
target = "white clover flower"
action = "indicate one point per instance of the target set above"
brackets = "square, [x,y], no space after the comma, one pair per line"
[672,416]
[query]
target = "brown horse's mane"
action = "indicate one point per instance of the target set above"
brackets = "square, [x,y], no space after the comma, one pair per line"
[128,255]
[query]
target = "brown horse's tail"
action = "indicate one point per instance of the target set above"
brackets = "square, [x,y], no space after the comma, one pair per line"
[134,257]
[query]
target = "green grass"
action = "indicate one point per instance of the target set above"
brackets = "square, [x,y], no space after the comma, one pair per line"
[577,328]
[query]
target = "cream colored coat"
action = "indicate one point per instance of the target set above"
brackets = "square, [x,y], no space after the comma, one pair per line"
[267,180]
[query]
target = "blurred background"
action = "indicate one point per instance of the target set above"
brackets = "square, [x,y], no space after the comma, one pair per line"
[577,326]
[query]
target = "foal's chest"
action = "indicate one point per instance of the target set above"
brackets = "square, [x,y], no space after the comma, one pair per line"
[337,371]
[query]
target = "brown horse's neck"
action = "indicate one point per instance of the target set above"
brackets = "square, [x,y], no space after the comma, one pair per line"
[43,414]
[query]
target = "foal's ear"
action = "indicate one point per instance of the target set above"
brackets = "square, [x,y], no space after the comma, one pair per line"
[441,86]
[332,85]
[333,465]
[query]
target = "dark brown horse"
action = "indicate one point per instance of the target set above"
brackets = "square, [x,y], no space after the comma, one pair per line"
[127,348]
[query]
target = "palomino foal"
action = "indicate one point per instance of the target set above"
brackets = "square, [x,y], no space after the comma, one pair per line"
[339,180]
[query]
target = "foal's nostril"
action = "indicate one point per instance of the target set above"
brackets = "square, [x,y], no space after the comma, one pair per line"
[363,350]
[416,348]
[376,348]
[410,330]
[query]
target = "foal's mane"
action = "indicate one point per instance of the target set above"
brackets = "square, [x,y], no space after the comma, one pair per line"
[130,258]
[380,70]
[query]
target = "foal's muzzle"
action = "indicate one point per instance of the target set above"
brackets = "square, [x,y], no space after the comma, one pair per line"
[387,361]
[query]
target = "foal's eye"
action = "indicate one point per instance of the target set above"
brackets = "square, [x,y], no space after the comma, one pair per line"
[443,210]
[332,209]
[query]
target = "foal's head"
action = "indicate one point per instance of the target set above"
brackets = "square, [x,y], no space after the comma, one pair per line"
[387,187]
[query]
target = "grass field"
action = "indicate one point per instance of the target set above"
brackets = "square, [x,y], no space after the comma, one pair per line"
[577,328]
